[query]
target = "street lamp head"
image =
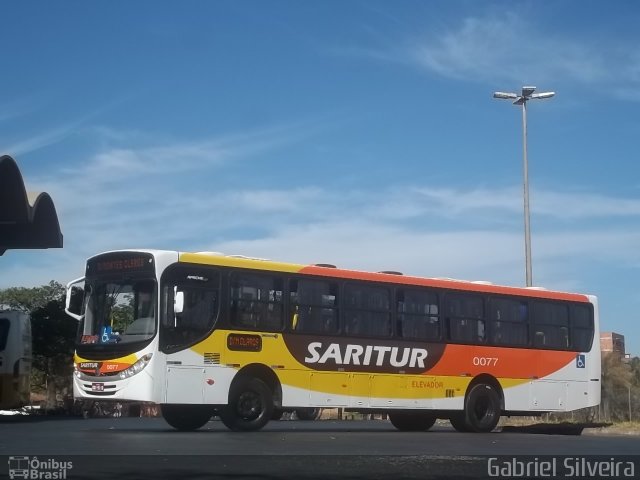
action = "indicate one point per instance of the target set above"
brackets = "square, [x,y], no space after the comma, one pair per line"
[543,95]
[510,96]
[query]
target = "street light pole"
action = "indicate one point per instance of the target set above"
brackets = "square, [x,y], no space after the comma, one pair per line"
[527,94]
[527,218]
[629,387]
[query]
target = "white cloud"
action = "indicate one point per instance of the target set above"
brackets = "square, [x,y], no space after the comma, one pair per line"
[370,245]
[576,205]
[509,48]
[276,201]
[141,210]
[565,205]
[40,140]
[467,254]
[505,47]
[49,136]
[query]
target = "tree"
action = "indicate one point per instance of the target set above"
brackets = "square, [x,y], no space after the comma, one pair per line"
[634,364]
[616,385]
[30,299]
[53,336]
[53,333]
[634,389]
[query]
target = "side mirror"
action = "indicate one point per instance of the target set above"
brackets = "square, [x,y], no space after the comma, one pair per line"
[75,298]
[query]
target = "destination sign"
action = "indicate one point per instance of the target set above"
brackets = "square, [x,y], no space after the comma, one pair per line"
[121,262]
[244,342]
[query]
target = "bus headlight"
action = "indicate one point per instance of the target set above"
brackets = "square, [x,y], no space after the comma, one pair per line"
[136,367]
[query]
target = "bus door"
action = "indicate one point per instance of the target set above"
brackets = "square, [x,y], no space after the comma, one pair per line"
[190,309]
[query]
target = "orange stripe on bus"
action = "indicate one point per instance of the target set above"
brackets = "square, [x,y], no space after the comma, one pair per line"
[467,360]
[437,283]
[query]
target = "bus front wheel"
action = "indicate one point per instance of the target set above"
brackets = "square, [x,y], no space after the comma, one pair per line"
[412,422]
[186,417]
[482,409]
[250,405]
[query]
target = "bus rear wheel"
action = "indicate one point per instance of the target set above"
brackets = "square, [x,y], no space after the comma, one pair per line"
[482,409]
[412,422]
[250,405]
[186,417]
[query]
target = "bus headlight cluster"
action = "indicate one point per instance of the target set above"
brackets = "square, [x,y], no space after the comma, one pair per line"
[136,367]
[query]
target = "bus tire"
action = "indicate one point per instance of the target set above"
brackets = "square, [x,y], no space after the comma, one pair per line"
[277,414]
[308,413]
[250,406]
[412,422]
[482,408]
[186,417]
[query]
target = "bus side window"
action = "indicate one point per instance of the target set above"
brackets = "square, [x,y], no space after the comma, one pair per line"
[330,323]
[313,306]
[304,318]
[552,320]
[247,317]
[352,325]
[563,341]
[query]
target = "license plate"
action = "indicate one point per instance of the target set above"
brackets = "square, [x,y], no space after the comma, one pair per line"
[97,387]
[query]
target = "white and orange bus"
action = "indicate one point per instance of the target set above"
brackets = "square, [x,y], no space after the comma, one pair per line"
[205,334]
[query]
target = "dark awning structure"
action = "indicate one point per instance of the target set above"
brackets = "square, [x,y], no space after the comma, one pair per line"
[27,220]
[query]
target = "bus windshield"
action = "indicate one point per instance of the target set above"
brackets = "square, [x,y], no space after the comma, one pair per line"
[119,312]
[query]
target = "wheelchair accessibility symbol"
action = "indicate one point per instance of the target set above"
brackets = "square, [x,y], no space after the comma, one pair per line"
[105,335]
[580,361]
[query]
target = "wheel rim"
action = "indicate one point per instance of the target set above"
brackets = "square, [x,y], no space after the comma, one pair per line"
[483,410]
[249,405]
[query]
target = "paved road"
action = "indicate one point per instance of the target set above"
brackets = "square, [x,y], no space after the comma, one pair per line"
[132,448]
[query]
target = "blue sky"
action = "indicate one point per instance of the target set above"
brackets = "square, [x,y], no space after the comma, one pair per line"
[359,133]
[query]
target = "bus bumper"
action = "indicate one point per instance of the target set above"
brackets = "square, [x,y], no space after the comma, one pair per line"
[136,388]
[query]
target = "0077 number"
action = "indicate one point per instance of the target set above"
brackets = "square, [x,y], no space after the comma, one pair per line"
[485,361]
